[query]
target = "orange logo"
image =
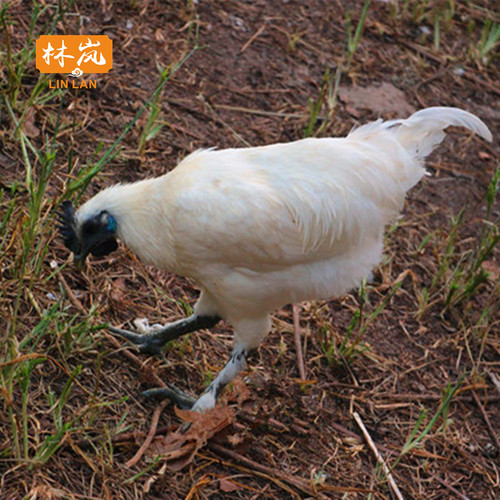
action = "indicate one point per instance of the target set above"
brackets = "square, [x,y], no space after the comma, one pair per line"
[74,54]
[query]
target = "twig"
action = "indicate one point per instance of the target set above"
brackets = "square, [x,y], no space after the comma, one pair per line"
[451,488]
[149,438]
[296,482]
[385,449]
[488,85]
[252,38]
[381,398]
[380,460]
[117,344]
[135,359]
[442,70]
[71,295]
[495,381]
[486,419]
[260,112]
[468,74]
[298,345]
[281,476]
[345,431]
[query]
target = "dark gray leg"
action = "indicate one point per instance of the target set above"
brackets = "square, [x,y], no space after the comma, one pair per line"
[151,343]
[236,363]
[180,398]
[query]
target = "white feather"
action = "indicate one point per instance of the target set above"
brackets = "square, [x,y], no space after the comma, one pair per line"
[258,228]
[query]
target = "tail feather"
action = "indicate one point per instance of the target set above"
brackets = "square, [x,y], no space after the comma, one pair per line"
[424,130]
[409,141]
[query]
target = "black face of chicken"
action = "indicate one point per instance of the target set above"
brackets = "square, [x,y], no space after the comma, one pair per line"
[95,235]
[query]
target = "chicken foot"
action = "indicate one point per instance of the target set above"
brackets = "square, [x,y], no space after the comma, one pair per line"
[208,399]
[151,343]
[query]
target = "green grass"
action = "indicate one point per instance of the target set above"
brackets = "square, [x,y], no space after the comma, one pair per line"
[153,124]
[461,274]
[350,346]
[419,434]
[330,84]
[17,62]
[328,91]
[49,333]
[51,355]
[445,17]
[487,48]
[354,35]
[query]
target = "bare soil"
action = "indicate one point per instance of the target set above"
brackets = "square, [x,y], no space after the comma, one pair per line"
[250,84]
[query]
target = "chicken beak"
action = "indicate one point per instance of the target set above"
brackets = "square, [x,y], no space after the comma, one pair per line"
[79,261]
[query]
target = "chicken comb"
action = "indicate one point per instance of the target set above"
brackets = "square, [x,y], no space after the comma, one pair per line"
[67,226]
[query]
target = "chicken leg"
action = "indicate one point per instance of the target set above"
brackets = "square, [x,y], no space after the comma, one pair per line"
[151,343]
[237,363]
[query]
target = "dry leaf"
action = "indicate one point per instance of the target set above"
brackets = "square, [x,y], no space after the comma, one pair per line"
[235,439]
[179,449]
[483,155]
[382,99]
[28,124]
[353,111]
[227,486]
[242,391]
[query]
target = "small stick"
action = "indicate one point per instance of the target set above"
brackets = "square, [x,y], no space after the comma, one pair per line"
[294,481]
[486,419]
[495,380]
[149,437]
[298,345]
[252,38]
[378,456]
[261,112]
[451,488]
[71,295]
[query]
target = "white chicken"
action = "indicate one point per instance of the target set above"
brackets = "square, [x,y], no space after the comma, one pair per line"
[259,228]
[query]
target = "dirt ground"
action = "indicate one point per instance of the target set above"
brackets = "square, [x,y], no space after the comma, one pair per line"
[254,79]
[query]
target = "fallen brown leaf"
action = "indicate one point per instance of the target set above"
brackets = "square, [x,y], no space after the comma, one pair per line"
[28,124]
[382,99]
[242,391]
[179,449]
[235,439]
[227,486]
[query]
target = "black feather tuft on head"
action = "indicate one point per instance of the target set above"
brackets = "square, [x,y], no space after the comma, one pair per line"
[67,226]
